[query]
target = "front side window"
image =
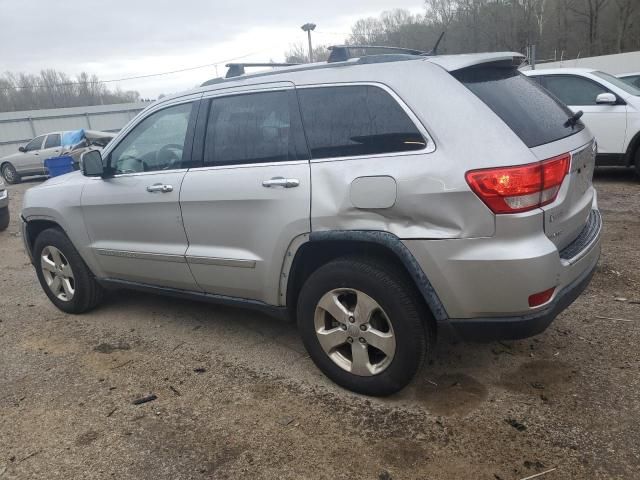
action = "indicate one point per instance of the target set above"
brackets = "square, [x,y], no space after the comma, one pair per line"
[53,141]
[251,128]
[156,143]
[354,120]
[35,144]
[573,90]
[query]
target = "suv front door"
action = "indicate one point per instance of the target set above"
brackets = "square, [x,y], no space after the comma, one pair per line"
[251,197]
[133,218]
[607,122]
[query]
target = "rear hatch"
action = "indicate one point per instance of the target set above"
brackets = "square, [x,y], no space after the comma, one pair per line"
[543,125]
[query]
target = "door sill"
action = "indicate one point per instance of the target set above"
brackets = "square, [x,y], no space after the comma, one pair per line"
[256,305]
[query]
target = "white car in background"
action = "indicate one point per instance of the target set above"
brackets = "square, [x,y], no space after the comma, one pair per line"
[631,78]
[611,109]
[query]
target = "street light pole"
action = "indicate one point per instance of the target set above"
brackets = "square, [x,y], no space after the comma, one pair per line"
[309,27]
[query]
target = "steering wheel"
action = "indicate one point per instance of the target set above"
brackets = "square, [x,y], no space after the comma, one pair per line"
[131,164]
[170,156]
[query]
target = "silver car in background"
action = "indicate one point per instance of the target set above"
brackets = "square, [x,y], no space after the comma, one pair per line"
[375,199]
[30,158]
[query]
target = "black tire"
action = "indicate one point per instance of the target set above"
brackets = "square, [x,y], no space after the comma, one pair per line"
[88,292]
[4,218]
[398,298]
[10,175]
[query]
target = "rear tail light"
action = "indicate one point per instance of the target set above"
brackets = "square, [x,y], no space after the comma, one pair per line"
[520,188]
[540,298]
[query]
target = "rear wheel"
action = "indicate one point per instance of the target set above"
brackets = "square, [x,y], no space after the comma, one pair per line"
[360,320]
[9,173]
[63,275]
[4,218]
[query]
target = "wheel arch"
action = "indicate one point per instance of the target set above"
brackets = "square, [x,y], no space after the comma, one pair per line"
[632,150]
[35,227]
[309,252]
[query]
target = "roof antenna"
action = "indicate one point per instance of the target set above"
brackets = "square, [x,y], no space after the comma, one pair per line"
[434,50]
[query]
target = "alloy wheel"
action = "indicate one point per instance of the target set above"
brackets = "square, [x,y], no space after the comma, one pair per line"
[57,273]
[354,331]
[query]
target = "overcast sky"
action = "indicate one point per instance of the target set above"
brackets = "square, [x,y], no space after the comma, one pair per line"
[116,38]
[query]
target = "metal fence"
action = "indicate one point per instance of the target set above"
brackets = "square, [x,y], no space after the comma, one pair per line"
[17,128]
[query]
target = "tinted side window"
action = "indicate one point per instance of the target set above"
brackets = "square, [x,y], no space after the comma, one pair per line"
[53,140]
[574,90]
[252,128]
[528,109]
[356,120]
[35,144]
[156,143]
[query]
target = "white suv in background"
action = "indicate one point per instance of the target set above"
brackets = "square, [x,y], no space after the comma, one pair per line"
[611,109]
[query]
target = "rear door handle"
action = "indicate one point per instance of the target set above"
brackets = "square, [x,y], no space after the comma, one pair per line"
[159,187]
[281,182]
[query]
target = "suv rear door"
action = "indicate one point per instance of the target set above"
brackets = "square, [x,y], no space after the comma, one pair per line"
[251,195]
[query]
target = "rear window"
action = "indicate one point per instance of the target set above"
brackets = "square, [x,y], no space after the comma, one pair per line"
[529,110]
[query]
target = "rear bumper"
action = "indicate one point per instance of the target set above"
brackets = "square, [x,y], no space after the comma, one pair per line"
[512,328]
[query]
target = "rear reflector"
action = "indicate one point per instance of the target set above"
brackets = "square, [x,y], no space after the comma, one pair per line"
[520,188]
[540,298]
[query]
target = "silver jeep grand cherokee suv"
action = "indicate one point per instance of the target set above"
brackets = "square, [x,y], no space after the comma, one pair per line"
[374,199]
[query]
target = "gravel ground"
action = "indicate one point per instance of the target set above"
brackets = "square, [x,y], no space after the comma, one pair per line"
[237,396]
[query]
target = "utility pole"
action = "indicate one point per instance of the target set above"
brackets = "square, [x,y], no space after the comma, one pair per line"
[309,27]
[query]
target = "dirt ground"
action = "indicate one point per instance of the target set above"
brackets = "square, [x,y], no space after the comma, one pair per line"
[238,397]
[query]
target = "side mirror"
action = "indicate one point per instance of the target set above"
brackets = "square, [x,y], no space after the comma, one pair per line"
[22,149]
[91,163]
[606,99]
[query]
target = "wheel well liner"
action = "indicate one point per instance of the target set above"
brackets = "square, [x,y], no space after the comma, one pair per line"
[35,228]
[336,243]
[634,144]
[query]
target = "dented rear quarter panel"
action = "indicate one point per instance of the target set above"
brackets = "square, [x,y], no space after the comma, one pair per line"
[433,200]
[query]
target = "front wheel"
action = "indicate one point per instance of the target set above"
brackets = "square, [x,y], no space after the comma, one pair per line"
[10,174]
[360,320]
[63,275]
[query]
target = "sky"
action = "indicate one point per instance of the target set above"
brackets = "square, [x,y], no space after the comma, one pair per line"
[115,39]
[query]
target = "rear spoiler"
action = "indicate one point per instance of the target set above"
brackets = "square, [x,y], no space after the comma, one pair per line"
[451,63]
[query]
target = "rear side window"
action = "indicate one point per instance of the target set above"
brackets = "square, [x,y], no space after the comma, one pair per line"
[253,128]
[53,140]
[356,120]
[573,90]
[530,111]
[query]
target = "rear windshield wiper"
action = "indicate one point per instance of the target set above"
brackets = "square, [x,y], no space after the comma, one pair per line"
[573,119]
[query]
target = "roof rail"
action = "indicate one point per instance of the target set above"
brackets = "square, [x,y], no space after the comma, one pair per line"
[237,69]
[340,53]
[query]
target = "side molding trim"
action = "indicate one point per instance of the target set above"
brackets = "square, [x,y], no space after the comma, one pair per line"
[256,305]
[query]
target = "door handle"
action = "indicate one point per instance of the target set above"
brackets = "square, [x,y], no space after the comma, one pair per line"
[159,187]
[281,182]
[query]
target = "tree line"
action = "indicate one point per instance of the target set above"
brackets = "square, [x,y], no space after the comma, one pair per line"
[560,29]
[53,89]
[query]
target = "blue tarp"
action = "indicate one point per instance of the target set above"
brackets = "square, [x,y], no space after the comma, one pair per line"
[73,137]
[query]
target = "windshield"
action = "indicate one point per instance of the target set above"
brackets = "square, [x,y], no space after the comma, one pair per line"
[621,84]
